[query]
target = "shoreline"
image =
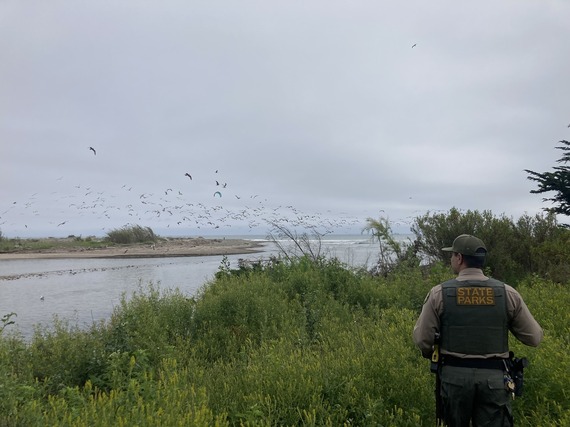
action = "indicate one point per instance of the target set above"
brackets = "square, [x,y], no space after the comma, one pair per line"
[164,248]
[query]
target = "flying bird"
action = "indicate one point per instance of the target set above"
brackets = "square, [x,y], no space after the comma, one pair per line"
[188,175]
[414,45]
[92,149]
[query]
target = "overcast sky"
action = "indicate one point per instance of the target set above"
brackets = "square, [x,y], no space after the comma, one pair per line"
[319,112]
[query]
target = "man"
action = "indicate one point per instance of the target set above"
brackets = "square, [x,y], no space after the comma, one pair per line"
[473,314]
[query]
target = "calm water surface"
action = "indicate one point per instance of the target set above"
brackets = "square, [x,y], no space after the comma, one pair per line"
[84,291]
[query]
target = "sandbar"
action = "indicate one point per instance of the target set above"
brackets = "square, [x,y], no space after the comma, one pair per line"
[172,247]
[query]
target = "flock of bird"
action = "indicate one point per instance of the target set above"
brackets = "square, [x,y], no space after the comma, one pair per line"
[175,207]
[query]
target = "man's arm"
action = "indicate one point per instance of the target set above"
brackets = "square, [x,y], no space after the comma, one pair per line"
[427,324]
[523,325]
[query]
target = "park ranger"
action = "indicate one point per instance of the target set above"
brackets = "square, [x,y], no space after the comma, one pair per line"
[467,320]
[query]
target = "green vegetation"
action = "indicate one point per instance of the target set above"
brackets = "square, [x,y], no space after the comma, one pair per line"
[288,342]
[6,320]
[530,245]
[71,242]
[557,181]
[392,254]
[131,234]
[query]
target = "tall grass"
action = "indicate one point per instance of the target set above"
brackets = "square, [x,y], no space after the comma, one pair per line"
[292,343]
[131,234]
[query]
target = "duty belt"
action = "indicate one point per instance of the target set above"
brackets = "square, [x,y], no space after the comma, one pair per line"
[492,363]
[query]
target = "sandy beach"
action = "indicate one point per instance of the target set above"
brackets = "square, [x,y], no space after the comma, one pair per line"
[174,247]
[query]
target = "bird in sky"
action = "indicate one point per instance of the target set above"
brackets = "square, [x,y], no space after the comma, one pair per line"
[92,149]
[188,175]
[414,45]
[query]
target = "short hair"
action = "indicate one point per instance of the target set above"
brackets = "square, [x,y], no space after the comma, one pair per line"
[475,261]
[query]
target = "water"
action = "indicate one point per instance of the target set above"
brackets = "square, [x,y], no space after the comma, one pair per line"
[84,291]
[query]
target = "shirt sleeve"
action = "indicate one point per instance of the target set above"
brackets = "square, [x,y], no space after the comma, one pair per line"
[522,323]
[428,322]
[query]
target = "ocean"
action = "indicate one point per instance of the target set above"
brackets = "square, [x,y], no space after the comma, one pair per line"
[84,291]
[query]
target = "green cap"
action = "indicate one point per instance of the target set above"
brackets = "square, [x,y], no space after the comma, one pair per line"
[467,245]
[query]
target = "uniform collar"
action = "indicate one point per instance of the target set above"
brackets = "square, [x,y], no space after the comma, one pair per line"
[471,274]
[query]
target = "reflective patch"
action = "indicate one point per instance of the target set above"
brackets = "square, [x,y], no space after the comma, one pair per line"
[475,296]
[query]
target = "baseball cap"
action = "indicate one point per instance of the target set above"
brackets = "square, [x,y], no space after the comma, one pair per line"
[467,245]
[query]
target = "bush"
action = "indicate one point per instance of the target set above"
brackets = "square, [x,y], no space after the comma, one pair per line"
[232,315]
[65,355]
[551,258]
[131,234]
[515,248]
[151,322]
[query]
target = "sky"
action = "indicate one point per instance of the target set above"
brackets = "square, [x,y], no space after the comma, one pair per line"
[305,113]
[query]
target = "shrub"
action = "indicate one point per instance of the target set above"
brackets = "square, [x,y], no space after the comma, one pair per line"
[151,321]
[515,248]
[308,244]
[235,313]
[551,258]
[65,355]
[131,234]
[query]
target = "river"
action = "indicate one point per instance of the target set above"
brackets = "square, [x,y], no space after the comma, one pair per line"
[84,291]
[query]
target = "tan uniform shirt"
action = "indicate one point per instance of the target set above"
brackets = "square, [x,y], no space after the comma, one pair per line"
[521,322]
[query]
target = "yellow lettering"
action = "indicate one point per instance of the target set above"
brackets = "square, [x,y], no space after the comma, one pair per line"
[475,296]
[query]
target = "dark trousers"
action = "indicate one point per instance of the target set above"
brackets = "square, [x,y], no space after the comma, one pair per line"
[475,395]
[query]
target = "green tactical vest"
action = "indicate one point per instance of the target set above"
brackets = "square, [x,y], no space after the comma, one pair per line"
[474,319]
